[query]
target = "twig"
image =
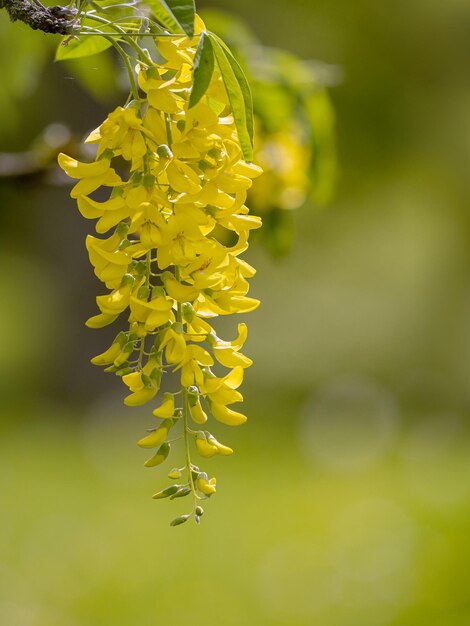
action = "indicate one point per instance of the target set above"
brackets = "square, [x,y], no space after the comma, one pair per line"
[54,20]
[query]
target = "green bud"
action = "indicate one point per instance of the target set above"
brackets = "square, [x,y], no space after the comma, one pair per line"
[164,151]
[205,165]
[133,104]
[211,339]
[149,181]
[199,511]
[181,125]
[107,154]
[211,210]
[122,371]
[181,493]
[175,473]
[156,375]
[136,178]
[165,493]
[179,520]
[143,292]
[193,398]
[121,338]
[126,351]
[117,192]
[215,153]
[122,229]
[157,291]
[188,312]
[178,327]
[146,380]
[138,266]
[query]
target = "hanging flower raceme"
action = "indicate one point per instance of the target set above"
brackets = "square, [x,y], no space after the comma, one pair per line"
[166,259]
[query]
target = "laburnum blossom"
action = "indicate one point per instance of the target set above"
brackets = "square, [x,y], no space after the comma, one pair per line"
[172,224]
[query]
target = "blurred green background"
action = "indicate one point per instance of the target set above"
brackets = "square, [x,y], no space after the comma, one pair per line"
[347,502]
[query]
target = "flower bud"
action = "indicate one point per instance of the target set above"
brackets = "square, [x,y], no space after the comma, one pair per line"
[157,437]
[165,493]
[205,486]
[159,457]
[181,493]
[175,474]
[204,448]
[195,409]
[167,407]
[179,520]
[164,152]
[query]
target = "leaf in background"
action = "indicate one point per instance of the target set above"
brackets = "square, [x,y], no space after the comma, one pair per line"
[21,75]
[176,15]
[239,94]
[323,167]
[98,76]
[203,69]
[277,233]
[79,48]
[232,30]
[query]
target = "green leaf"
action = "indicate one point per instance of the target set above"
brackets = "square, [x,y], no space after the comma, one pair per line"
[203,69]
[175,15]
[239,94]
[79,48]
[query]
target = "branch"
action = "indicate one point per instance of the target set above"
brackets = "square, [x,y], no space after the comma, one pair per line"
[54,20]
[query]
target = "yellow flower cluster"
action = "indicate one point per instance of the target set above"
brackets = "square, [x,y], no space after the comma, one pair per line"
[285,160]
[177,185]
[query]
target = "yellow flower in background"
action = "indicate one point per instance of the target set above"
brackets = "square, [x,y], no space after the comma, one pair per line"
[285,160]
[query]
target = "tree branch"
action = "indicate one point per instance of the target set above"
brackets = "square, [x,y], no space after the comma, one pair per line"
[54,20]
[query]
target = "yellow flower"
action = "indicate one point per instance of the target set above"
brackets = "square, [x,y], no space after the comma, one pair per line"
[191,372]
[121,132]
[91,175]
[205,448]
[143,387]
[167,407]
[149,222]
[175,346]
[110,263]
[109,355]
[110,212]
[153,313]
[195,410]
[116,301]
[205,486]
[227,416]
[179,224]
[159,457]
[157,437]
[177,290]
